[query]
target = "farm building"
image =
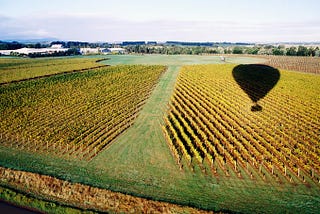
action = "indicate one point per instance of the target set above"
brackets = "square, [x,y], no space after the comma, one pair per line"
[85,51]
[5,52]
[26,51]
[57,46]
[114,51]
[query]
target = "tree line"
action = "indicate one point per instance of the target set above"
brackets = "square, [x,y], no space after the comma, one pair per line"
[252,49]
[174,48]
[69,44]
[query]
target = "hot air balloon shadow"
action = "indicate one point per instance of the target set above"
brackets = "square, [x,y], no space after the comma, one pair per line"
[256,81]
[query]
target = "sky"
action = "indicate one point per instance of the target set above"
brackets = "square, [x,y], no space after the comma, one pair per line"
[162,20]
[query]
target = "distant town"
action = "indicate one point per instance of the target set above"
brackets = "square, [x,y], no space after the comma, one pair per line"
[69,48]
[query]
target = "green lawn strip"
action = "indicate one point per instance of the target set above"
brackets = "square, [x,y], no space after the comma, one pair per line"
[143,145]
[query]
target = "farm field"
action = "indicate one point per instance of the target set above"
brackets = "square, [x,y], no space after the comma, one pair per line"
[178,60]
[303,64]
[16,69]
[74,115]
[210,125]
[241,177]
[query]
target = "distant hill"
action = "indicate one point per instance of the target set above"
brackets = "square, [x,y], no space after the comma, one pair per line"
[30,41]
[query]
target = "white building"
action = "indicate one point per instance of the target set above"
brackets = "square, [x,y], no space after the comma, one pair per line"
[5,52]
[85,51]
[114,51]
[26,51]
[57,46]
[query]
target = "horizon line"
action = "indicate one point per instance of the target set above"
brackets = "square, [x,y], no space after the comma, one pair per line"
[157,41]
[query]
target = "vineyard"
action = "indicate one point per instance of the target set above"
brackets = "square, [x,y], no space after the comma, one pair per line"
[303,64]
[15,69]
[74,115]
[129,128]
[210,126]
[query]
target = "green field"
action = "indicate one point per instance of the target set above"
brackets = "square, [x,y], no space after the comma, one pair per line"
[177,60]
[139,162]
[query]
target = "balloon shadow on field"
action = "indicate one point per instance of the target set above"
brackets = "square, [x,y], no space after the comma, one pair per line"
[256,81]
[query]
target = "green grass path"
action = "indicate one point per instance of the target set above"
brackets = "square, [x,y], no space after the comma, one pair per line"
[142,150]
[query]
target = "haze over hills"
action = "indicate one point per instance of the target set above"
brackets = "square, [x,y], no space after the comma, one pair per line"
[141,42]
[30,41]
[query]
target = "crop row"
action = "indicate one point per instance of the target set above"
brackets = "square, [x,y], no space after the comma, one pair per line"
[303,64]
[209,120]
[18,69]
[74,115]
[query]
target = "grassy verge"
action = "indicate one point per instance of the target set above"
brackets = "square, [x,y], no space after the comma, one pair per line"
[87,198]
[23,200]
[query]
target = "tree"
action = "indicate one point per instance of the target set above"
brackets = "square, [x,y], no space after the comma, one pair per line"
[253,50]
[312,51]
[277,51]
[317,52]
[292,51]
[38,45]
[10,45]
[237,50]
[302,51]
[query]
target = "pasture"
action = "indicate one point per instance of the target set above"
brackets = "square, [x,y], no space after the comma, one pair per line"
[239,169]
[178,60]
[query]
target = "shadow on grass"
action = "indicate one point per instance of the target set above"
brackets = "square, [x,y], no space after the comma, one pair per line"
[256,81]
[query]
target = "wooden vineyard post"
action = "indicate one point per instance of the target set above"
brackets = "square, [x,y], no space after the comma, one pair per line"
[22,143]
[260,167]
[212,162]
[17,142]
[81,150]
[285,170]
[272,169]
